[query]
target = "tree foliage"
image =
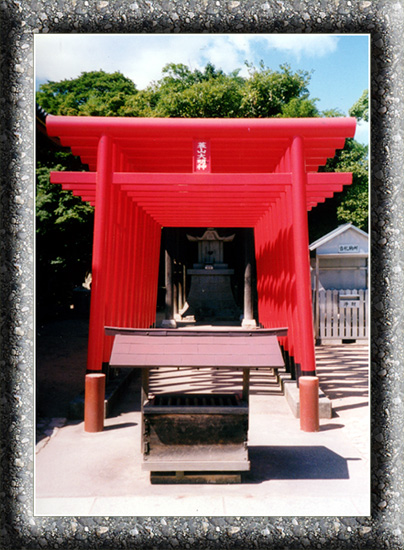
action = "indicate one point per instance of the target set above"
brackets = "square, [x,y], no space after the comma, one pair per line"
[64,237]
[353,204]
[182,92]
[93,93]
[360,109]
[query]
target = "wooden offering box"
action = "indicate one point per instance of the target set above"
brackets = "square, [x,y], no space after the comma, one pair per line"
[196,436]
[195,432]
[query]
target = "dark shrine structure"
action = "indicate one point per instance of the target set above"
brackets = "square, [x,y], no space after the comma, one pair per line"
[219,204]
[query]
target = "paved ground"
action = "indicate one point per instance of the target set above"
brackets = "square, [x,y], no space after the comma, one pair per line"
[343,371]
[292,472]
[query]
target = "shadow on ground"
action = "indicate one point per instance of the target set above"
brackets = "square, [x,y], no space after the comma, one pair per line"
[295,462]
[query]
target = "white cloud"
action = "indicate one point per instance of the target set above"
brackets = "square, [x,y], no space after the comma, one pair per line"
[139,57]
[311,45]
[142,57]
[225,53]
[149,56]
[61,57]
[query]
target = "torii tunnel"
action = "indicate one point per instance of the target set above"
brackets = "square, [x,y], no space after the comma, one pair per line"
[150,173]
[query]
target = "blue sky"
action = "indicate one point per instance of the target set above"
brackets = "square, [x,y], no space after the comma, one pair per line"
[339,63]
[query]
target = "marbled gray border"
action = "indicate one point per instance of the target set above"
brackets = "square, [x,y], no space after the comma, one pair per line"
[383,20]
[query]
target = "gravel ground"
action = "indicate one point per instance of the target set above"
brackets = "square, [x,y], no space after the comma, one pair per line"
[383,20]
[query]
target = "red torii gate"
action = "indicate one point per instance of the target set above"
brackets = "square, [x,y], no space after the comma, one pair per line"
[149,173]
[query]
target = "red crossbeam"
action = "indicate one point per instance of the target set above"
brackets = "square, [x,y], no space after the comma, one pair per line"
[178,128]
[138,178]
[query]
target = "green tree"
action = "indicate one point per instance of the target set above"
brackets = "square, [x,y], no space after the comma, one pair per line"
[352,204]
[141,104]
[63,239]
[268,93]
[218,98]
[360,109]
[300,108]
[182,92]
[92,93]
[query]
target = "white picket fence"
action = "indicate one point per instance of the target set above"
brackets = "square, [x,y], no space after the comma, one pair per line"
[342,314]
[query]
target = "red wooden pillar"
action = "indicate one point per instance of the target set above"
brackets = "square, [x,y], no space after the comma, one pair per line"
[142,269]
[309,407]
[131,264]
[290,276]
[301,258]
[277,295]
[270,266]
[99,276]
[109,263]
[150,260]
[258,262]
[291,297]
[115,258]
[262,282]
[282,274]
[264,260]
[116,274]
[123,246]
[155,272]
[137,278]
[94,402]
[151,256]
[132,252]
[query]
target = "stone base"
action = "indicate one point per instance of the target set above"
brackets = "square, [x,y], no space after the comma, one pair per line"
[340,341]
[292,395]
[249,323]
[210,295]
[163,478]
[169,323]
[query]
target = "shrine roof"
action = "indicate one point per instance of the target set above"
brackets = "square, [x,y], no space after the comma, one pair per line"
[248,164]
[237,144]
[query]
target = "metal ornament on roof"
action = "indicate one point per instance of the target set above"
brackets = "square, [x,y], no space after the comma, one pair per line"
[210,246]
[211,235]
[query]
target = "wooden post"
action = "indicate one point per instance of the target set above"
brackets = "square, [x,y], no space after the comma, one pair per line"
[175,288]
[94,402]
[144,395]
[317,312]
[248,317]
[306,357]
[246,384]
[169,318]
[309,405]
[184,285]
[99,276]
[145,386]
[169,286]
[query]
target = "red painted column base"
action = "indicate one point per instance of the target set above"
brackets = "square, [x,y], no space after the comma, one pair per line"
[309,404]
[94,396]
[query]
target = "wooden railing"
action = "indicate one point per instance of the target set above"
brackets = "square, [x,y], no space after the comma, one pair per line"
[341,314]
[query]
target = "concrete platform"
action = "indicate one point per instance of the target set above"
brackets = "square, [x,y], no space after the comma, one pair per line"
[292,472]
[291,392]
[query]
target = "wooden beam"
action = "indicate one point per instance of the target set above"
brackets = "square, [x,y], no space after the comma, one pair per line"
[169,178]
